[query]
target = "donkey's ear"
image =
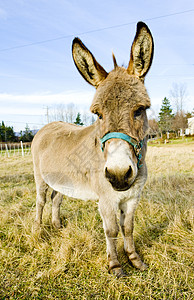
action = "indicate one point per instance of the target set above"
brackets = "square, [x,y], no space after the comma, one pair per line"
[86,64]
[141,52]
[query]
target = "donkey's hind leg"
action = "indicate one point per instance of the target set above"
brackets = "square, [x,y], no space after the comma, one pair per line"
[56,203]
[41,190]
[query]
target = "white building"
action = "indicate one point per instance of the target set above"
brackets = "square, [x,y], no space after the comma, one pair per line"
[190,129]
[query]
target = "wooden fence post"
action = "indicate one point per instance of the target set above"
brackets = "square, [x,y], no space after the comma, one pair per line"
[7,151]
[22,148]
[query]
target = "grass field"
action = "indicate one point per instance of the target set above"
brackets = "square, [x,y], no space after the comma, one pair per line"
[71,263]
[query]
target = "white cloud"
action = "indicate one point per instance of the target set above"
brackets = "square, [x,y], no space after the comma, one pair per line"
[31,108]
[17,110]
[14,103]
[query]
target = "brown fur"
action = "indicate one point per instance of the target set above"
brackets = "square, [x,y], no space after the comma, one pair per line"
[119,96]
[69,159]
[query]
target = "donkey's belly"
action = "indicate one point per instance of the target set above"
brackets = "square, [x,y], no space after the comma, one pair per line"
[78,192]
[72,189]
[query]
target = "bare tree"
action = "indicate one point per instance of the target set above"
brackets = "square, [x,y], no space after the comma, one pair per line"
[178,94]
[57,113]
[153,127]
[65,113]
[71,113]
[86,117]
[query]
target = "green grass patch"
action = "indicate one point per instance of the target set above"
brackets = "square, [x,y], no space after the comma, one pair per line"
[186,141]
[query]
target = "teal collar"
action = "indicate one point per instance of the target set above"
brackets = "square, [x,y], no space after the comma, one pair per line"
[137,146]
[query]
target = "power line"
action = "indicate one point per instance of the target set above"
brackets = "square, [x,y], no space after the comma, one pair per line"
[94,30]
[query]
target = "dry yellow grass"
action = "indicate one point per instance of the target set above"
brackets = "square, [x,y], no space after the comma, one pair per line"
[71,263]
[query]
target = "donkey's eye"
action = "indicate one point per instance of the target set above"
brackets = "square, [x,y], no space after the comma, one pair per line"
[99,115]
[138,112]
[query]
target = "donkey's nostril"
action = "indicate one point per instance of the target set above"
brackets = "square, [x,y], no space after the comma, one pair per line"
[120,180]
[108,174]
[128,174]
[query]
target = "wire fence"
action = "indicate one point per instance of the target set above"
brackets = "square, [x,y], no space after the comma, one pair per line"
[15,149]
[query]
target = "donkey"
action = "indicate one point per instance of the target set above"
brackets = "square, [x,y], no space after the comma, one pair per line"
[104,161]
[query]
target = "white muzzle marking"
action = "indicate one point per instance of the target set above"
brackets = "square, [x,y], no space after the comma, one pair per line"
[120,169]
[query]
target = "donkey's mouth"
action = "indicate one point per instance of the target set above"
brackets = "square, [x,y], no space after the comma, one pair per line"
[120,186]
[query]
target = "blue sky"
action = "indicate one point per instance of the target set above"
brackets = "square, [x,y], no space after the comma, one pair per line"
[37,69]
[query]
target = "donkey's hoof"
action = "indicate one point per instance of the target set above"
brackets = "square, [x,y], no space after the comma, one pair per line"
[36,226]
[143,267]
[57,224]
[36,229]
[118,272]
[137,262]
[140,265]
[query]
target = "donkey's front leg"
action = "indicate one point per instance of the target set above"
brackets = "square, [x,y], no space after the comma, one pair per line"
[126,222]
[111,229]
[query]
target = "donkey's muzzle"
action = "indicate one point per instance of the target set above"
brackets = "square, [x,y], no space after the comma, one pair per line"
[121,181]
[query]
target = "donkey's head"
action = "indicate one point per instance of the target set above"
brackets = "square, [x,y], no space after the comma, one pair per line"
[120,102]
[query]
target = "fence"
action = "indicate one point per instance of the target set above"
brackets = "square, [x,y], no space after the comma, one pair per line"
[13,149]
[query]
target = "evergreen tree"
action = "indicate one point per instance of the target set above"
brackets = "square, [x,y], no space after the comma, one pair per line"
[165,116]
[27,135]
[7,133]
[78,120]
